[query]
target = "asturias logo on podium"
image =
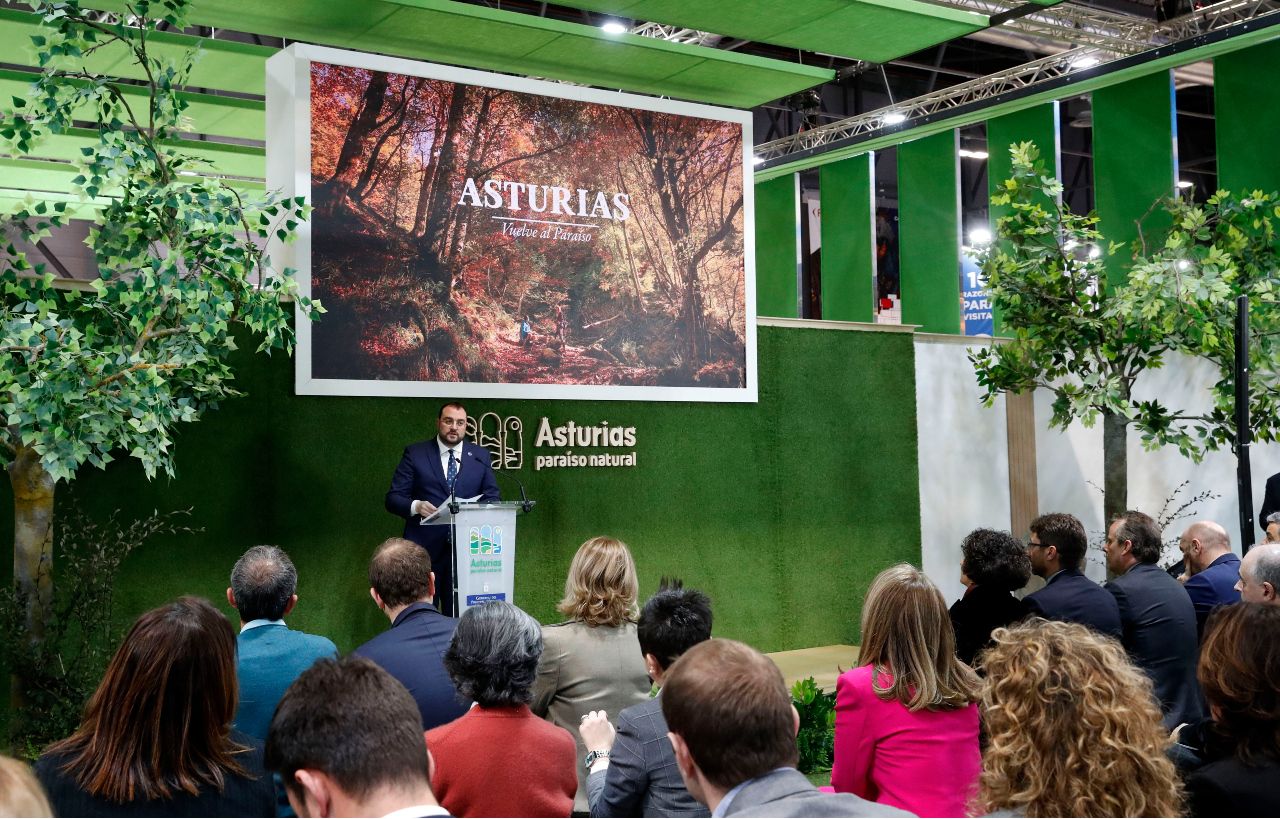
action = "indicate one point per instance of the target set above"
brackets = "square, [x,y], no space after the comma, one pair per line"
[486,540]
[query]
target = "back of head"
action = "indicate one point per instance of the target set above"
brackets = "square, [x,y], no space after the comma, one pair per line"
[1073,727]
[159,720]
[1143,531]
[263,581]
[672,621]
[354,722]
[907,632]
[602,588]
[995,560]
[20,792]
[1066,533]
[730,705]
[400,572]
[1262,564]
[494,656]
[1240,675]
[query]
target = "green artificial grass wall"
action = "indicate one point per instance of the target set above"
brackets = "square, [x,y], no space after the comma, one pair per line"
[783,511]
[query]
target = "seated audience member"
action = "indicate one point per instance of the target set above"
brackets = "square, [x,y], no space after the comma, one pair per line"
[1260,574]
[993,566]
[1240,675]
[347,741]
[412,650]
[1057,550]
[1272,528]
[1073,728]
[634,773]
[592,662]
[1158,620]
[909,710]
[498,759]
[269,655]
[733,730]
[20,793]
[1213,570]
[155,740]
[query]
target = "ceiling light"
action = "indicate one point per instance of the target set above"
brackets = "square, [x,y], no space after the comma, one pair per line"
[1183,264]
[1085,61]
[894,118]
[613,27]
[757,160]
[968,154]
[979,237]
[1094,252]
[1183,183]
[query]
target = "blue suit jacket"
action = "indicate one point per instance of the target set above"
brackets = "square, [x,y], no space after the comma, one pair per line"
[1071,597]
[412,651]
[1213,587]
[269,659]
[1160,635]
[420,477]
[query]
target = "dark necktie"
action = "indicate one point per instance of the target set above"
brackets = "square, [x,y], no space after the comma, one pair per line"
[453,472]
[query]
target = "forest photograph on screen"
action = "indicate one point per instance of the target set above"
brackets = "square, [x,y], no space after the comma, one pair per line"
[470,234]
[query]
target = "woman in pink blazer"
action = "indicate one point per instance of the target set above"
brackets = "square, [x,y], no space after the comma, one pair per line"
[907,716]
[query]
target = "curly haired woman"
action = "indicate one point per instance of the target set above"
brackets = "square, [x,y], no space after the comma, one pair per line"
[1073,728]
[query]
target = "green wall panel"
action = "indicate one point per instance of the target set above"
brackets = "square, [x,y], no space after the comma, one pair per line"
[1133,162]
[784,524]
[1247,110]
[1038,125]
[777,243]
[848,238]
[929,232]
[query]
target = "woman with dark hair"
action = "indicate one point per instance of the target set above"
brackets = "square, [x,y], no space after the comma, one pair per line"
[593,660]
[155,740]
[993,566]
[1239,674]
[529,764]
[907,715]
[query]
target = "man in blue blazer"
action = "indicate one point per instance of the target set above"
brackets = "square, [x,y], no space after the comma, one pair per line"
[1213,568]
[412,650]
[1057,549]
[270,655]
[1156,615]
[422,482]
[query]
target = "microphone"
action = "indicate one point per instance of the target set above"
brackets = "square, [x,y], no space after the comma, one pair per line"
[525,503]
[453,492]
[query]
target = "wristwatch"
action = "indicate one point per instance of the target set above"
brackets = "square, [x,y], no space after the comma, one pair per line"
[592,756]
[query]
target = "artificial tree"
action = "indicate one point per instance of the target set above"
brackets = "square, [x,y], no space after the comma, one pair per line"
[1087,340]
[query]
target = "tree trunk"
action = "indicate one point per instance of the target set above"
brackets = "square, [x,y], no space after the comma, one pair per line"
[1115,465]
[353,146]
[33,537]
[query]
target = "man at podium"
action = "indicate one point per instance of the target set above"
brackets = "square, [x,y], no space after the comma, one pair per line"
[429,473]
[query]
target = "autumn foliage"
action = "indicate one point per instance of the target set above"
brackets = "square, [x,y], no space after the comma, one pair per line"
[447,216]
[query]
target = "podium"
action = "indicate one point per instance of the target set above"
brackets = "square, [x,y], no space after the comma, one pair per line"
[484,550]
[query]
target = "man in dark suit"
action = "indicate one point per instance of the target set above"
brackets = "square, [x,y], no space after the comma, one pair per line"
[1057,548]
[733,729]
[1156,615]
[633,772]
[412,650]
[430,472]
[269,654]
[1213,569]
[1270,500]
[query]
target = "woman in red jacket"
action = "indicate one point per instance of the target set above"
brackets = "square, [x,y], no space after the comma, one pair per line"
[499,759]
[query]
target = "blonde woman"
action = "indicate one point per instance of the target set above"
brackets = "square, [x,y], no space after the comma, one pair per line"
[1073,728]
[907,716]
[592,661]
